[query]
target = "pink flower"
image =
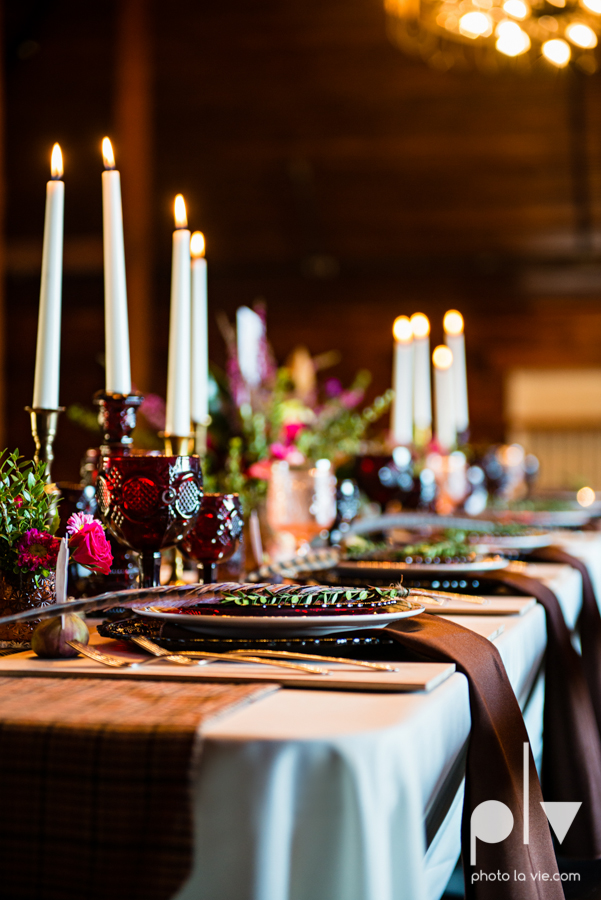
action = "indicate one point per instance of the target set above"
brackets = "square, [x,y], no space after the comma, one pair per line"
[18,501]
[88,544]
[291,454]
[77,521]
[291,430]
[153,410]
[350,399]
[261,469]
[333,387]
[37,549]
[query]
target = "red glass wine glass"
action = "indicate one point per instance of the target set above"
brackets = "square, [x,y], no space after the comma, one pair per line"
[216,535]
[148,503]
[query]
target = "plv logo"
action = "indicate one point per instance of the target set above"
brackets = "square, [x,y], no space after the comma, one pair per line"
[492,821]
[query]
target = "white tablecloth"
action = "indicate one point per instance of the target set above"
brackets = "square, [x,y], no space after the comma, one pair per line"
[346,796]
[329,796]
[586,545]
[564,581]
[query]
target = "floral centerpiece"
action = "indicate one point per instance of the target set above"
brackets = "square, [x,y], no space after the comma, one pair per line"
[28,544]
[290,415]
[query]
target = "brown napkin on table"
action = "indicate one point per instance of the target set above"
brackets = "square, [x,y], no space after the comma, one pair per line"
[494,768]
[590,621]
[572,745]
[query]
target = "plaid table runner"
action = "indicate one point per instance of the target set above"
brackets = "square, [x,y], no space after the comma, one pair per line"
[95,784]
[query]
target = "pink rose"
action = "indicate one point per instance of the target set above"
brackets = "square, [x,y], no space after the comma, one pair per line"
[88,544]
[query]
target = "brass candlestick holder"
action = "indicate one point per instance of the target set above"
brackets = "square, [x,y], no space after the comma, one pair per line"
[44,423]
[422,436]
[117,417]
[177,444]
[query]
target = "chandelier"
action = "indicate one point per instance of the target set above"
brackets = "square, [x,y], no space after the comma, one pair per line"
[490,34]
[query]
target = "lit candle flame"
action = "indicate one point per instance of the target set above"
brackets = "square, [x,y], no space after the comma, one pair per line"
[442,357]
[56,162]
[402,330]
[420,325]
[586,496]
[197,245]
[107,154]
[181,218]
[453,322]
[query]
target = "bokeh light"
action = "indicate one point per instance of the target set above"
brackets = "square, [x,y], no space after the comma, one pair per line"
[557,52]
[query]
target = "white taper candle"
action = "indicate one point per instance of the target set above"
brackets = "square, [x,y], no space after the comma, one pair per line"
[402,382]
[446,432]
[199,400]
[455,339]
[249,333]
[177,415]
[116,327]
[422,391]
[47,360]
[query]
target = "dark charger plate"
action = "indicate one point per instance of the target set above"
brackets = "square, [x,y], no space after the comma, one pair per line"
[370,645]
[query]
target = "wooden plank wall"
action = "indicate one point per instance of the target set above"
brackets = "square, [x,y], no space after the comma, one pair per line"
[339,180]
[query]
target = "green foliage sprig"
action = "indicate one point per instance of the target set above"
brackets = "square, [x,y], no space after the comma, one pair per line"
[24,504]
[315,597]
[452,546]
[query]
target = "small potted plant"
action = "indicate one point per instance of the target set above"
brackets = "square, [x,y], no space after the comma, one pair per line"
[29,547]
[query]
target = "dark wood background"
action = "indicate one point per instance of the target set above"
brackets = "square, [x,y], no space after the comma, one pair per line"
[340,180]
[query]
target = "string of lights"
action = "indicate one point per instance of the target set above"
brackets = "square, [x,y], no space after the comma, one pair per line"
[491,34]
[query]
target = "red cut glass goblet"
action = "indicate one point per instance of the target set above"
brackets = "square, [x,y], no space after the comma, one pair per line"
[148,503]
[216,535]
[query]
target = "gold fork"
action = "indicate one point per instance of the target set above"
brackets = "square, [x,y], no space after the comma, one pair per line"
[118,662]
[150,647]
[238,656]
[286,654]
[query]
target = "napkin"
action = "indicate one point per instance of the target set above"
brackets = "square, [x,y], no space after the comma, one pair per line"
[62,566]
[494,769]
[590,621]
[572,745]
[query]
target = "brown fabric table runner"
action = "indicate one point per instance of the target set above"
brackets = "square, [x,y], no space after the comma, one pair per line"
[590,621]
[95,784]
[494,768]
[572,746]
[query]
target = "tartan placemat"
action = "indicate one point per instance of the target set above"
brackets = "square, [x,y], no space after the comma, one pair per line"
[95,784]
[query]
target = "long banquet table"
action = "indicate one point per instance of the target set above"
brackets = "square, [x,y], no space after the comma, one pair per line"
[310,795]
[333,795]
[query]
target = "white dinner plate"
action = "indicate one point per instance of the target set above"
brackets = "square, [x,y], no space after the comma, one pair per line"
[515,542]
[283,626]
[552,518]
[488,564]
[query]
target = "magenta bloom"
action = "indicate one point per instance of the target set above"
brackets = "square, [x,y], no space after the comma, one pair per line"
[153,410]
[290,454]
[77,521]
[37,549]
[333,387]
[291,431]
[88,544]
[350,399]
